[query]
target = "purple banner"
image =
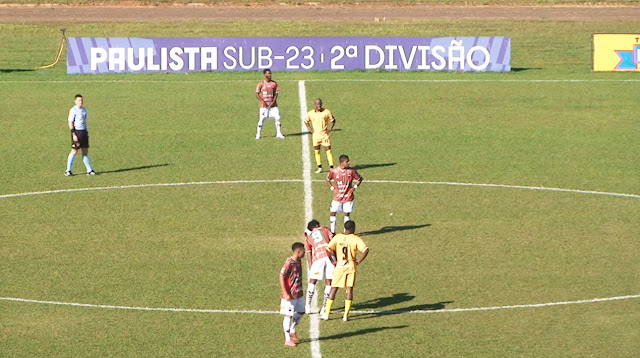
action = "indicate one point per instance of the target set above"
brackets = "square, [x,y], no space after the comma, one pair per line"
[131,54]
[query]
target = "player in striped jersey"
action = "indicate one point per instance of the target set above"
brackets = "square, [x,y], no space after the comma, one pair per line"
[79,136]
[318,259]
[292,303]
[346,247]
[346,181]
[267,92]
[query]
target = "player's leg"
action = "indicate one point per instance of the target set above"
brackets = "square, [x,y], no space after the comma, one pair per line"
[328,274]
[351,280]
[327,149]
[87,162]
[70,159]
[348,209]
[262,116]
[316,153]
[274,112]
[338,281]
[311,286]
[297,316]
[335,207]
[287,309]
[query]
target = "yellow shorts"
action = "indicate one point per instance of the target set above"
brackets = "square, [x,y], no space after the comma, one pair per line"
[343,279]
[322,139]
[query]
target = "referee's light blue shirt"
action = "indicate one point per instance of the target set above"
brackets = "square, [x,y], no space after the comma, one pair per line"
[78,115]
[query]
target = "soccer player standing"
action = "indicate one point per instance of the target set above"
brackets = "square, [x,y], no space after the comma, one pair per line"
[318,260]
[292,303]
[346,247]
[320,122]
[267,93]
[342,180]
[79,136]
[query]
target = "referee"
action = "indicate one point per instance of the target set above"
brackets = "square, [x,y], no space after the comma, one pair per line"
[79,136]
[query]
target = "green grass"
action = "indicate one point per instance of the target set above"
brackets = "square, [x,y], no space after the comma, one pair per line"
[220,246]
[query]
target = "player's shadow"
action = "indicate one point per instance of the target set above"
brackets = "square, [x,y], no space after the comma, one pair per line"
[306,132]
[380,302]
[359,332]
[423,307]
[368,166]
[388,229]
[134,168]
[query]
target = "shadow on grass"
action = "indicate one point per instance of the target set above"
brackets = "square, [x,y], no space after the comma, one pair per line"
[388,229]
[384,301]
[520,69]
[423,307]
[303,133]
[134,168]
[368,166]
[356,333]
[9,70]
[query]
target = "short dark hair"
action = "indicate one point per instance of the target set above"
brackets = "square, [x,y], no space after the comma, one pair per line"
[266,70]
[78,95]
[313,224]
[297,245]
[350,226]
[343,157]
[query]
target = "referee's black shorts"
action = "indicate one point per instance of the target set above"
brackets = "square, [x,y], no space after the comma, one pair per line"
[83,139]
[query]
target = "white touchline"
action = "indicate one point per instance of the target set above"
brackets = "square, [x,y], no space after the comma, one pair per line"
[399,80]
[314,320]
[380,312]
[265,181]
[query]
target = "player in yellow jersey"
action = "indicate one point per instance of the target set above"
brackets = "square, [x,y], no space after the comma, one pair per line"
[320,122]
[345,247]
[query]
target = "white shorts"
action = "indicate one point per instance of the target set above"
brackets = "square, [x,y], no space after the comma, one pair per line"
[346,208]
[321,269]
[288,307]
[272,112]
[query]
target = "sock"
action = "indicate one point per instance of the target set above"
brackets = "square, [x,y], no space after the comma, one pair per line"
[311,287]
[318,157]
[327,290]
[347,218]
[70,161]
[286,325]
[327,309]
[332,220]
[87,163]
[278,130]
[347,307]
[296,318]
[330,158]
[260,122]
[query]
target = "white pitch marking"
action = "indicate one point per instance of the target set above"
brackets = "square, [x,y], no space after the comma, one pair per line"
[57,191]
[381,312]
[342,80]
[314,320]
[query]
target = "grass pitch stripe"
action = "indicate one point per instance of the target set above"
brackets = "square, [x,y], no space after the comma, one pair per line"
[559,80]
[314,320]
[381,312]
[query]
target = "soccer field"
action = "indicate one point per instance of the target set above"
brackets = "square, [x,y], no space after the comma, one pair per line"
[470,166]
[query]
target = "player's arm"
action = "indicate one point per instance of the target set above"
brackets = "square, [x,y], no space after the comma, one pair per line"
[364,256]
[283,287]
[258,89]
[329,180]
[307,122]
[332,122]
[72,127]
[308,252]
[275,97]
[332,247]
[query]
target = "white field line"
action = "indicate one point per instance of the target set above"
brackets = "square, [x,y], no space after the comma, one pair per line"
[314,320]
[342,80]
[136,186]
[379,312]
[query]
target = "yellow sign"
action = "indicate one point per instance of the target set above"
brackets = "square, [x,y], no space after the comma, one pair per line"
[616,52]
